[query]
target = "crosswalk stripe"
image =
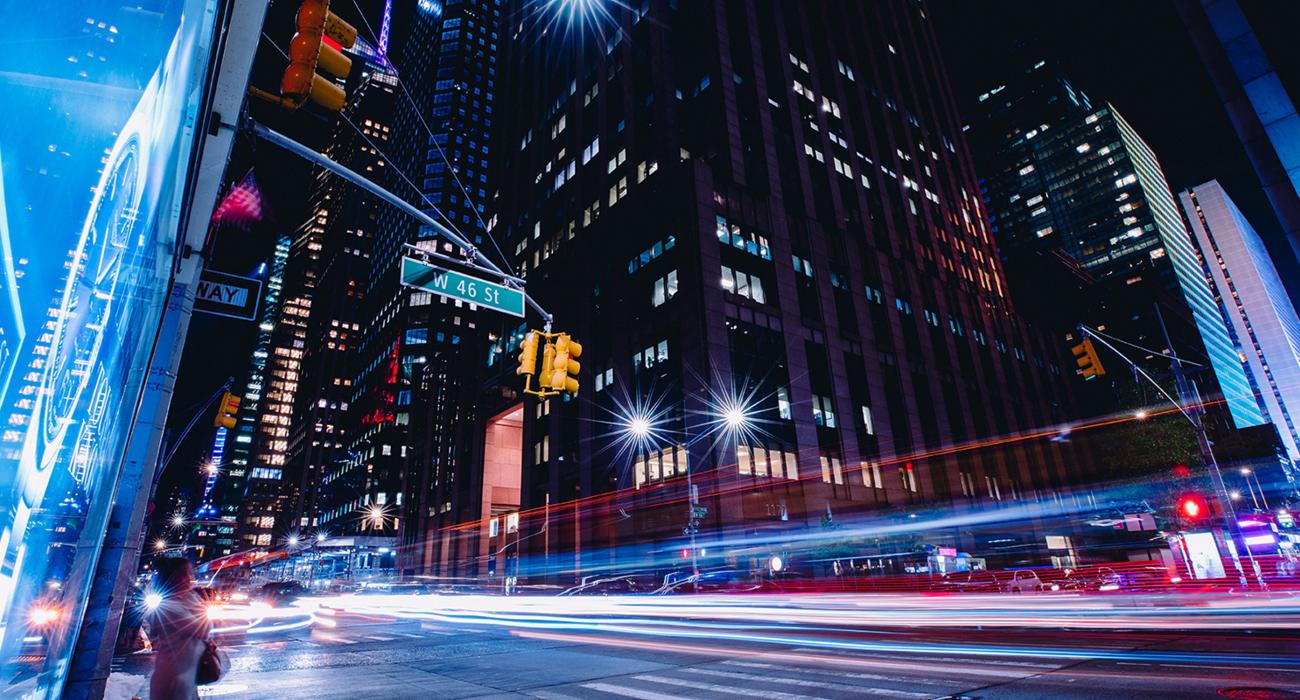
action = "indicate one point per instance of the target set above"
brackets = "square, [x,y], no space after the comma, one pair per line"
[807,684]
[380,638]
[727,690]
[629,692]
[839,674]
[918,664]
[928,658]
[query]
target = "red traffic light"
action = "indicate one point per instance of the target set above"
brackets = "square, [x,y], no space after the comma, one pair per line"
[1192,507]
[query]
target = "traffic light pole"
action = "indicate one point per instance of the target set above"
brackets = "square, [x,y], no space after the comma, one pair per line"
[480,260]
[1192,412]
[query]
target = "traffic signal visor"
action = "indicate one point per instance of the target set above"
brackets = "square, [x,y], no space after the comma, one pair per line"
[528,354]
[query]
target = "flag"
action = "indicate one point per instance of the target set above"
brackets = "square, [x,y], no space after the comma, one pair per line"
[242,205]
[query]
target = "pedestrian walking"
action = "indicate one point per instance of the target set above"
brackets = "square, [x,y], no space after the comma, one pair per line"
[179,631]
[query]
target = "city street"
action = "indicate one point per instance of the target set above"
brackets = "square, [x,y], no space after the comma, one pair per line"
[381,656]
[596,349]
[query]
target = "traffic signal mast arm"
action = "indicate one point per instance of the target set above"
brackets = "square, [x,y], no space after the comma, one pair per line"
[484,264]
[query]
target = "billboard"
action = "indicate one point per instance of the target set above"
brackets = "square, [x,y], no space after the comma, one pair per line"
[96,145]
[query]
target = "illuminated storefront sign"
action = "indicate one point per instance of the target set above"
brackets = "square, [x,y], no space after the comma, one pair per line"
[95,144]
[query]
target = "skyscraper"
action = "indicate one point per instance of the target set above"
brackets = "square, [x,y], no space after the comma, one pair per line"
[1255,305]
[342,225]
[411,391]
[1257,100]
[249,492]
[760,210]
[1062,175]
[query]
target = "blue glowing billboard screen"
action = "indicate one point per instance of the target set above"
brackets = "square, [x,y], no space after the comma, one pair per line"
[96,143]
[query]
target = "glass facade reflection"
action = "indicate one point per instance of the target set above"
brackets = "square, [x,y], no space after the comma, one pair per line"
[96,143]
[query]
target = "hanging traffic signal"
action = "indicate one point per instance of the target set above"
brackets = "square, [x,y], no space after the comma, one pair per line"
[1085,356]
[564,367]
[317,46]
[226,411]
[528,354]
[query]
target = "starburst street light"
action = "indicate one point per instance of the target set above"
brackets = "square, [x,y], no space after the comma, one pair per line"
[160,544]
[376,515]
[735,417]
[178,520]
[639,426]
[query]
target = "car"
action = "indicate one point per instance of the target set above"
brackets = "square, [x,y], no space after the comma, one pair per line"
[970,582]
[1024,581]
[721,581]
[609,585]
[279,593]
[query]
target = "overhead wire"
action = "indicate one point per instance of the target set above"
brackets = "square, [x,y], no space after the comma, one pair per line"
[401,84]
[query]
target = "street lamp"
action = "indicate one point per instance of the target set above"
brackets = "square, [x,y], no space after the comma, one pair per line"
[732,416]
[178,520]
[160,544]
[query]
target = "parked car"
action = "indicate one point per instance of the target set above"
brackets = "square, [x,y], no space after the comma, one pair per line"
[1024,581]
[970,582]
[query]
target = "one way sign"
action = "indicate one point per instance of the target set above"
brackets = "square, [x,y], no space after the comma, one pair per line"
[221,294]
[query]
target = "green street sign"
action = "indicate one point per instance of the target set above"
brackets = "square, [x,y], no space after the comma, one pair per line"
[439,280]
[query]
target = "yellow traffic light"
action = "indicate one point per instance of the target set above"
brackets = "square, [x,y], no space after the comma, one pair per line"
[309,52]
[528,354]
[1085,356]
[564,368]
[226,411]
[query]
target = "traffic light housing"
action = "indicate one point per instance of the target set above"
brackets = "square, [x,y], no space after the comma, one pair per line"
[226,411]
[564,368]
[309,52]
[528,354]
[559,368]
[1085,356]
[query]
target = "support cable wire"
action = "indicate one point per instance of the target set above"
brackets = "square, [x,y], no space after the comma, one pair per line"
[277,139]
[1096,333]
[1092,332]
[401,84]
[450,223]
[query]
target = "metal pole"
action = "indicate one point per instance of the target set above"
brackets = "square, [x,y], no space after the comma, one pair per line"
[298,149]
[1207,451]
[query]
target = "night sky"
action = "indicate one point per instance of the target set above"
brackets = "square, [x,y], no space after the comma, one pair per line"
[1137,56]
[1134,54]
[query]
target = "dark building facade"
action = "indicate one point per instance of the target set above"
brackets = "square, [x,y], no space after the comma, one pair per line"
[417,353]
[755,208]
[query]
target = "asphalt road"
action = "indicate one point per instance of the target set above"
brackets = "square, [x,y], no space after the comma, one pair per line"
[375,656]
